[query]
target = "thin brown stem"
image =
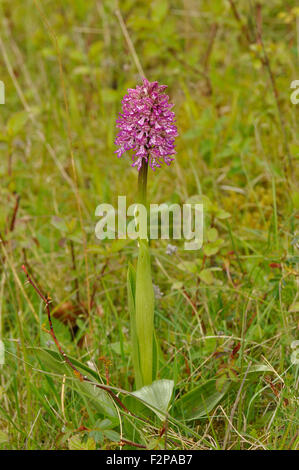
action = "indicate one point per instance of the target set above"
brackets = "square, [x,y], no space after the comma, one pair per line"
[74,267]
[208,52]
[239,19]
[95,285]
[14,215]
[131,443]
[196,69]
[78,374]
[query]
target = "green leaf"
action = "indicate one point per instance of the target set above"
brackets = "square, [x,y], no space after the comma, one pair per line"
[201,199]
[159,10]
[144,312]
[212,234]
[294,307]
[206,276]
[177,285]
[118,244]
[59,223]
[157,396]
[131,287]
[3,137]
[82,70]
[98,436]
[112,435]
[259,368]
[212,248]
[221,382]
[3,437]
[75,443]
[222,214]
[156,355]
[116,347]
[200,401]
[103,429]
[188,266]
[101,425]
[16,122]
[53,362]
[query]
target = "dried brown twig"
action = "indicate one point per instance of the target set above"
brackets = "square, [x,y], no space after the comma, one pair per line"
[14,215]
[78,374]
[239,20]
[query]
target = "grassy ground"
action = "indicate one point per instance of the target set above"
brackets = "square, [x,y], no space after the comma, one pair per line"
[225,309]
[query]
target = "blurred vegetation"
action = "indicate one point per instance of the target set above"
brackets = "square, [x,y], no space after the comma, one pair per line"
[228,66]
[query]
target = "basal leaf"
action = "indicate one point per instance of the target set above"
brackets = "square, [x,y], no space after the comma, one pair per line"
[53,362]
[200,401]
[131,288]
[144,312]
[157,396]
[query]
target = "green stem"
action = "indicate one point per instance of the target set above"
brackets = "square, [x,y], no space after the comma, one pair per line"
[144,297]
[142,182]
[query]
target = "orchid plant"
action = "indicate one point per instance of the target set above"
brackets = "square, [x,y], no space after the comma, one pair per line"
[147,127]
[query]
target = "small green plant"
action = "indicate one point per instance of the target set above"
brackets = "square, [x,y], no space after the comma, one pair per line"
[147,127]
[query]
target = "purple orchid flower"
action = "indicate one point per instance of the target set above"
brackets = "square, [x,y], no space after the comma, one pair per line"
[147,125]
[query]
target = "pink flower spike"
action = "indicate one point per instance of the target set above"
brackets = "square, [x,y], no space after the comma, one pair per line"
[147,126]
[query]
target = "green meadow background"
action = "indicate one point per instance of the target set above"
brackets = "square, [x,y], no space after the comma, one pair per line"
[226,315]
